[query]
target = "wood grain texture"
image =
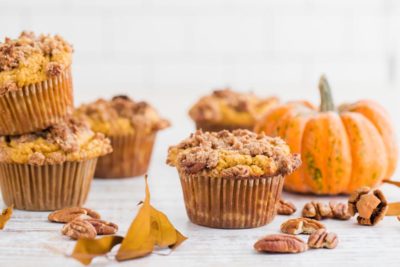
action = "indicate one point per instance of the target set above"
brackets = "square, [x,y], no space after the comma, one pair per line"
[29,239]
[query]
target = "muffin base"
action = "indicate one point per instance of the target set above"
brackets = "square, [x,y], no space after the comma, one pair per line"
[130,157]
[212,127]
[233,203]
[47,187]
[36,106]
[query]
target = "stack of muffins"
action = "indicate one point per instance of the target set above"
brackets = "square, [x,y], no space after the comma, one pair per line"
[47,158]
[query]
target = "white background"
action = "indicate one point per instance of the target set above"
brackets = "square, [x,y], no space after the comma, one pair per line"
[172,51]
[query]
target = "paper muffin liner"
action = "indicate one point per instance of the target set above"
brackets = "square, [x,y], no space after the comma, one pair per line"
[36,106]
[130,157]
[231,202]
[215,127]
[47,187]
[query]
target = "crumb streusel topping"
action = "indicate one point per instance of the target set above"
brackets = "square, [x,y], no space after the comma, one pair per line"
[236,154]
[121,115]
[230,107]
[31,59]
[71,140]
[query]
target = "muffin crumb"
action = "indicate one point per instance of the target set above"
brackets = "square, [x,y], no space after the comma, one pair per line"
[227,109]
[240,153]
[31,59]
[71,140]
[121,115]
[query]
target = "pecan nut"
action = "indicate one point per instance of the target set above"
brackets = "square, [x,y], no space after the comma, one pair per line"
[301,226]
[340,211]
[285,207]
[371,205]
[79,229]
[69,214]
[103,227]
[317,210]
[280,243]
[322,239]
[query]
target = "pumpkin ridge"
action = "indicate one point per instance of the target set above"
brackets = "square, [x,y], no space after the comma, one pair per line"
[366,144]
[375,113]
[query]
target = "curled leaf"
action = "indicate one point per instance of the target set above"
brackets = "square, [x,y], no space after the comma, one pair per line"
[150,228]
[86,249]
[5,216]
[164,233]
[138,241]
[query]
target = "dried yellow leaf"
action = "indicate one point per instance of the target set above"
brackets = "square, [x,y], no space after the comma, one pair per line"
[87,249]
[5,216]
[138,241]
[150,228]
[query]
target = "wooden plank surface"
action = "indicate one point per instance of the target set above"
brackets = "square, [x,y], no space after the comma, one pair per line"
[30,240]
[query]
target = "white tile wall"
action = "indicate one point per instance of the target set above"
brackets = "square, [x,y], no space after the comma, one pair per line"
[190,46]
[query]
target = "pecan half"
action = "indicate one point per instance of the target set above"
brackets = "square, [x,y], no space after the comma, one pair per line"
[285,207]
[371,205]
[301,226]
[319,210]
[79,229]
[280,243]
[103,227]
[69,214]
[322,239]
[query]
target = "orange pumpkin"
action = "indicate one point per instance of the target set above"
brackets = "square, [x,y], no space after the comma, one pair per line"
[341,148]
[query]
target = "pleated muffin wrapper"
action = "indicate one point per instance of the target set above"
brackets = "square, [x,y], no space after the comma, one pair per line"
[231,203]
[36,106]
[47,187]
[130,157]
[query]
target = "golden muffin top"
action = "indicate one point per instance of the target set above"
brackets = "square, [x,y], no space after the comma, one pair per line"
[71,140]
[31,59]
[237,154]
[231,108]
[121,115]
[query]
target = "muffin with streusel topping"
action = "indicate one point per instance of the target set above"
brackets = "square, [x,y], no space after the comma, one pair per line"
[228,110]
[35,83]
[232,179]
[50,169]
[131,126]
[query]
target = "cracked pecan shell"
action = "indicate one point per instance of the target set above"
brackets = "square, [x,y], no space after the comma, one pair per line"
[370,205]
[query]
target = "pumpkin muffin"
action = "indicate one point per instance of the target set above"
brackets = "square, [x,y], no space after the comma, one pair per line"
[232,179]
[132,128]
[50,169]
[35,83]
[229,110]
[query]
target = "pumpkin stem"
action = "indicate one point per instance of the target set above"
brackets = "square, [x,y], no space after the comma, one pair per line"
[326,95]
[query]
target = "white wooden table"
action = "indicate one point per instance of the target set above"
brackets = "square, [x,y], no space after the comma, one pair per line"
[30,240]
